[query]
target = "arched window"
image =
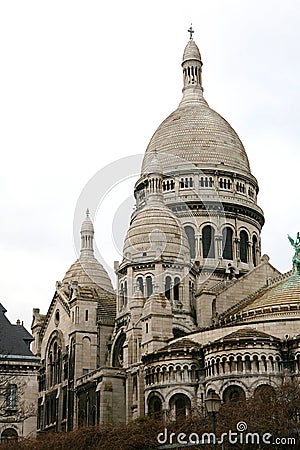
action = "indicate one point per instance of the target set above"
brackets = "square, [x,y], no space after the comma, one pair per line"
[59,366]
[86,354]
[125,293]
[177,333]
[254,250]
[214,307]
[244,246]
[11,396]
[155,407]
[176,288]
[191,292]
[227,234]
[168,287]
[149,286]
[190,232]
[50,368]
[140,284]
[264,393]
[72,360]
[118,351]
[233,394]
[180,404]
[121,296]
[208,242]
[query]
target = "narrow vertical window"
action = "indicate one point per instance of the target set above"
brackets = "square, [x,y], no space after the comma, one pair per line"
[140,284]
[11,396]
[176,288]
[254,250]
[208,242]
[149,286]
[190,232]
[227,235]
[168,287]
[244,246]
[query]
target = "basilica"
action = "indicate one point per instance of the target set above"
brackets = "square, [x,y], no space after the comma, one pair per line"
[197,308]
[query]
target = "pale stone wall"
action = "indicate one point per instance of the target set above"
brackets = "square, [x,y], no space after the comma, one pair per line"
[23,418]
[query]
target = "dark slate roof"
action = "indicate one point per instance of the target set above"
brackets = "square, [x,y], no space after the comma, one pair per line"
[14,339]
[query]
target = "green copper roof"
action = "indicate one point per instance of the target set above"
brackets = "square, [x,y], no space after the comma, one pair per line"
[285,292]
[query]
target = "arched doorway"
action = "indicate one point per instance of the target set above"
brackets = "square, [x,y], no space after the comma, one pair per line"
[10,434]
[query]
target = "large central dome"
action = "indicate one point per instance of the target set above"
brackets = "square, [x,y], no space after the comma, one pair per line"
[194,132]
[199,135]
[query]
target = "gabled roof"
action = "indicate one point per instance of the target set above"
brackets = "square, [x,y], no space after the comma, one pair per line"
[247,333]
[181,343]
[14,339]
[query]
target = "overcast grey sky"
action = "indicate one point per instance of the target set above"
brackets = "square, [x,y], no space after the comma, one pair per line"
[83,84]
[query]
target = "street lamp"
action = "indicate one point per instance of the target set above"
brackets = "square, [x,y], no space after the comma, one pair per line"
[213,404]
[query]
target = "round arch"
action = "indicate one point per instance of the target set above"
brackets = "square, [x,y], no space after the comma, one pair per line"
[234,393]
[155,405]
[9,434]
[190,233]
[117,350]
[58,336]
[264,392]
[180,406]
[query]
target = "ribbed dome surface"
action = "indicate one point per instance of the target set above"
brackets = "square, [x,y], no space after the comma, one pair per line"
[197,134]
[155,233]
[86,271]
[87,226]
[284,293]
[191,51]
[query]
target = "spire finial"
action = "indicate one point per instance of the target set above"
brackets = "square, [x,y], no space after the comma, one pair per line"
[191,31]
[87,213]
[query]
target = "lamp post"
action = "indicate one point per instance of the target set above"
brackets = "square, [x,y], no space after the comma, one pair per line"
[213,404]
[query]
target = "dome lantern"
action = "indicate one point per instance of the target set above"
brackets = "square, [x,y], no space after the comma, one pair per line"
[155,180]
[87,236]
[192,70]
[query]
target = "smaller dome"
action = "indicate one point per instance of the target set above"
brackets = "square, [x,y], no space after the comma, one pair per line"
[155,234]
[191,51]
[88,271]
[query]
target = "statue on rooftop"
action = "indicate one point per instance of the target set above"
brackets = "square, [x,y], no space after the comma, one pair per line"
[296,257]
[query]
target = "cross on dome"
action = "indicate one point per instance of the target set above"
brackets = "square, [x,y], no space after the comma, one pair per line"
[191,31]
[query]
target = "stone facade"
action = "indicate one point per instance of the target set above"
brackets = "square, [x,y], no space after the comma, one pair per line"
[18,381]
[196,306]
